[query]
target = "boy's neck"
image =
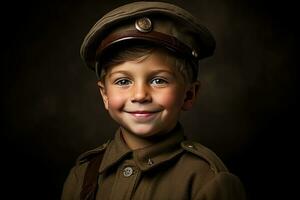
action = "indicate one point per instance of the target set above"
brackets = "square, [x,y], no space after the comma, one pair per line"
[135,142]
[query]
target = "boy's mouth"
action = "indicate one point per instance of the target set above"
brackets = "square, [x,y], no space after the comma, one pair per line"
[143,113]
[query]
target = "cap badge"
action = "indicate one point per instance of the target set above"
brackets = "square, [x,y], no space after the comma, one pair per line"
[143,24]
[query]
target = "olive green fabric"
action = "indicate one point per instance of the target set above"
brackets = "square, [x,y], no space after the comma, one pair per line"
[174,168]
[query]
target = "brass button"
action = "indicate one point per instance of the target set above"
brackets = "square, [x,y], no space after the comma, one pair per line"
[195,54]
[127,171]
[143,25]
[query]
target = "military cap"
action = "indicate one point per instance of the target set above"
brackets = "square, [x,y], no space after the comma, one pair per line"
[161,23]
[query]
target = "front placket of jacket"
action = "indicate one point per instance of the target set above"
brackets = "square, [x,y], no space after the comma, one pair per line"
[127,177]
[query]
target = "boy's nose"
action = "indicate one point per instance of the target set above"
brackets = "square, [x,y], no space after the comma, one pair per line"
[140,94]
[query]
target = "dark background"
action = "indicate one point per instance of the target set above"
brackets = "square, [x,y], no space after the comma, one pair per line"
[52,111]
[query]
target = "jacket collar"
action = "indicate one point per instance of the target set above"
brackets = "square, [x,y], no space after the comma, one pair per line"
[146,158]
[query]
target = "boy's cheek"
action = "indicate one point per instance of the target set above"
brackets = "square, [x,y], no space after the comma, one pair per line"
[115,102]
[170,100]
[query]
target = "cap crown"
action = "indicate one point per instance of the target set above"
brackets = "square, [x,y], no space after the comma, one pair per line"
[171,22]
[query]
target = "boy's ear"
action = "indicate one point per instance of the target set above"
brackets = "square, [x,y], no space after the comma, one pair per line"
[191,95]
[103,93]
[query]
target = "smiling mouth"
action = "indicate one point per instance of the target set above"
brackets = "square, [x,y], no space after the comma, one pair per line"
[143,114]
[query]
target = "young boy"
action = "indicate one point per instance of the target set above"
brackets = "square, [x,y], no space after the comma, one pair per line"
[146,56]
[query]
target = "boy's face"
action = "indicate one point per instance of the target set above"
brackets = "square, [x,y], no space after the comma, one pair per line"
[146,97]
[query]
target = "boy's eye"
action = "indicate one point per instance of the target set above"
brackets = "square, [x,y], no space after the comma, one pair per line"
[158,81]
[122,82]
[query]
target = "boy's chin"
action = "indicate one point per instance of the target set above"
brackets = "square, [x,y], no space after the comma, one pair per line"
[143,131]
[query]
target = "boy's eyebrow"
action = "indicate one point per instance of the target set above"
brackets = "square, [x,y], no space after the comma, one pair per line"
[119,72]
[163,70]
[151,73]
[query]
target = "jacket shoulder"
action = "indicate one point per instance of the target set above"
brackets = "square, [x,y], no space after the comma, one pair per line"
[206,154]
[88,155]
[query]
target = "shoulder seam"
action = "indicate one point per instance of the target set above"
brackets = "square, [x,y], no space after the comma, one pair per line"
[84,157]
[208,155]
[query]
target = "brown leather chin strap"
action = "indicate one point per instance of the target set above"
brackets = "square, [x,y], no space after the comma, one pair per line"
[162,39]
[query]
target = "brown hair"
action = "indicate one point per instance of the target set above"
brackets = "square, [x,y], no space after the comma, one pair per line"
[139,52]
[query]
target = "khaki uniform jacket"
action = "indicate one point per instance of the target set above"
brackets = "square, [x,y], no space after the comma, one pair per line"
[172,169]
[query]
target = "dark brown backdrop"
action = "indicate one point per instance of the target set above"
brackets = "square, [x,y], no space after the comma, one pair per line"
[52,111]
